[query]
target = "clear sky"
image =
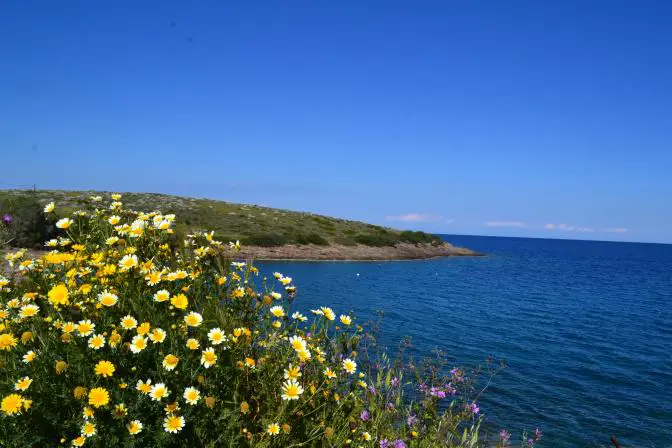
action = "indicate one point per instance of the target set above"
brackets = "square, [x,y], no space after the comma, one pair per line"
[525,118]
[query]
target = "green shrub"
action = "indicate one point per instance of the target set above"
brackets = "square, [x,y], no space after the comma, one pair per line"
[311,238]
[29,227]
[376,240]
[265,240]
[418,237]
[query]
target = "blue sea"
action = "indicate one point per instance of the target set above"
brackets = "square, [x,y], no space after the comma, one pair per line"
[585,328]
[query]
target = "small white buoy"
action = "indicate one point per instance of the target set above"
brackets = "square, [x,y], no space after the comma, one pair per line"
[358,274]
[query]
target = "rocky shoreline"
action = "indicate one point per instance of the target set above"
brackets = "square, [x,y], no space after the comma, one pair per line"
[359,252]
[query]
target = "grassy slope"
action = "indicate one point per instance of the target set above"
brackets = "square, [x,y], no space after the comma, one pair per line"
[251,224]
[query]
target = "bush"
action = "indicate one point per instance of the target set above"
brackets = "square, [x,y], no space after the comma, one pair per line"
[311,238]
[116,339]
[24,223]
[376,240]
[265,240]
[418,237]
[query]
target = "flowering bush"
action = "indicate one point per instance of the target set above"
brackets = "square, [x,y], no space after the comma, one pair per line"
[123,336]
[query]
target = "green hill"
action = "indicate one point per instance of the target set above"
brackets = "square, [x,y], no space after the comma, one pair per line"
[252,225]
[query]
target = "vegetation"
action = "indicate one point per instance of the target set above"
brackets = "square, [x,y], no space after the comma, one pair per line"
[120,336]
[250,224]
[24,224]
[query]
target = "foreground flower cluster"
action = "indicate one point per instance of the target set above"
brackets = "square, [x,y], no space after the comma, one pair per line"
[124,334]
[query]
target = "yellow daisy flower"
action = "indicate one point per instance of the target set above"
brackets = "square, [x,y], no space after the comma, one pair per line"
[88,429]
[106,298]
[208,357]
[173,423]
[64,223]
[59,295]
[144,328]
[273,429]
[157,335]
[138,344]
[298,343]
[158,392]
[98,397]
[7,341]
[134,427]
[179,301]
[349,365]
[291,390]
[144,386]
[23,384]
[216,336]
[292,373]
[277,311]
[191,395]
[128,322]
[170,362]
[104,368]
[97,341]
[12,404]
[85,327]
[161,295]
[193,319]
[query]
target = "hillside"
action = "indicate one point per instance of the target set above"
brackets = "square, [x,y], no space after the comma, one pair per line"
[265,232]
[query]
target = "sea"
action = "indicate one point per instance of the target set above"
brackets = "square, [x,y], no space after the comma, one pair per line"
[584,327]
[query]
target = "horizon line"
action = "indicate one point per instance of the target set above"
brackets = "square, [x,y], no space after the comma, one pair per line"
[551,238]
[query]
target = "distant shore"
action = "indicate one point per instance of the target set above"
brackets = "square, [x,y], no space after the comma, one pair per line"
[358,252]
[334,252]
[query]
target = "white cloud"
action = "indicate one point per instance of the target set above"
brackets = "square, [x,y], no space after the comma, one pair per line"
[416,217]
[517,224]
[568,228]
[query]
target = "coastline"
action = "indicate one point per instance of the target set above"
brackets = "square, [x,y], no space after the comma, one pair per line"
[359,252]
[313,253]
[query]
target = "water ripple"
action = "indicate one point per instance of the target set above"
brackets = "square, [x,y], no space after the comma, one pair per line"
[585,327]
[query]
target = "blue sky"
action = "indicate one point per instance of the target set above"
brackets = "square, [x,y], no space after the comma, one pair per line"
[522,118]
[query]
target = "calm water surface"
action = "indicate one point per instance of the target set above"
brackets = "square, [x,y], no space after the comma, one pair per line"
[585,328]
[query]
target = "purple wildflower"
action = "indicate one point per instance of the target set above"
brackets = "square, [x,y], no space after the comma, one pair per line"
[384,443]
[412,420]
[372,389]
[504,435]
[7,219]
[458,375]
[399,444]
[394,382]
[365,416]
[436,392]
[473,408]
[390,406]
[537,435]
